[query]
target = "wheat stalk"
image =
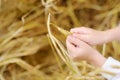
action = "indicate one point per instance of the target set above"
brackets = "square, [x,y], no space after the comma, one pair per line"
[60,49]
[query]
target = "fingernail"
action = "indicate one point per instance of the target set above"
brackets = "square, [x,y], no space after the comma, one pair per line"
[69,37]
[75,35]
[71,30]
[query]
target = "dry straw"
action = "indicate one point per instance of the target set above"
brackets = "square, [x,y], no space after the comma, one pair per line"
[60,49]
[63,54]
[25,53]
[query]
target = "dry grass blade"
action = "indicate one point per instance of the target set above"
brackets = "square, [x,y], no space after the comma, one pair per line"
[64,32]
[9,38]
[61,50]
[21,63]
[1,77]
[54,51]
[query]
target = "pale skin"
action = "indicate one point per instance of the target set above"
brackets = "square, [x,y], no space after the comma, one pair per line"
[80,42]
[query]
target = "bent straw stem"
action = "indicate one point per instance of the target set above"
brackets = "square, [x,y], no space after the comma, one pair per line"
[61,50]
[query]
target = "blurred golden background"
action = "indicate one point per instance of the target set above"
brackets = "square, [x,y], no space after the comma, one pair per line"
[25,53]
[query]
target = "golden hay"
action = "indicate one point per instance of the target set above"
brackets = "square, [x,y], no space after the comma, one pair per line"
[25,52]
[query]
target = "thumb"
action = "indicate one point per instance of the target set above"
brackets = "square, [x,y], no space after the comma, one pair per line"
[76,41]
[69,45]
[81,30]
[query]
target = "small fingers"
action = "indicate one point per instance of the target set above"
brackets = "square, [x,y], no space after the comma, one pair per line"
[70,49]
[81,30]
[80,36]
[76,41]
[69,45]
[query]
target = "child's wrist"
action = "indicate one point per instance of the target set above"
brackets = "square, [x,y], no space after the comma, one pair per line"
[109,36]
[113,34]
[96,59]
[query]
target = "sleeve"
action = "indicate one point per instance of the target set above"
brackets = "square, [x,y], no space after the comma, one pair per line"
[111,66]
[117,77]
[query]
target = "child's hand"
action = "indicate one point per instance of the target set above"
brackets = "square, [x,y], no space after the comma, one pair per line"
[90,36]
[79,50]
